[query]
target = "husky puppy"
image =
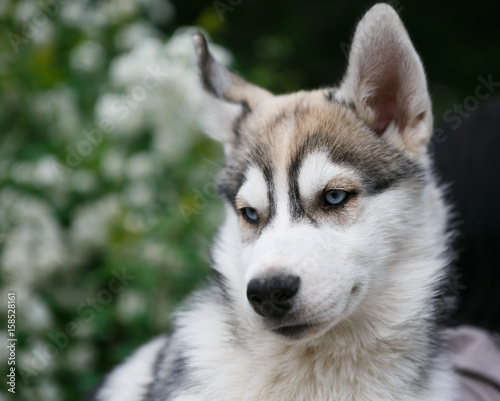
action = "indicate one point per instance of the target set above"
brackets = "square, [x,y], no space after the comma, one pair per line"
[329,264]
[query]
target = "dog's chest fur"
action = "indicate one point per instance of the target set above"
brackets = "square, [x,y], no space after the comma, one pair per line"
[344,365]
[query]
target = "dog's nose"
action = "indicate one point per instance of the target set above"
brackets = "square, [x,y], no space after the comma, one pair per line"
[272,296]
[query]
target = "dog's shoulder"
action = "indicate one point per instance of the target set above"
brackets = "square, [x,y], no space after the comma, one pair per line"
[133,377]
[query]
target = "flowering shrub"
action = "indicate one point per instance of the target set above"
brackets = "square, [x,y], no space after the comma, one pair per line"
[106,201]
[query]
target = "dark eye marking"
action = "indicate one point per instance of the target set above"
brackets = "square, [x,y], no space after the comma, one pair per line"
[335,198]
[250,215]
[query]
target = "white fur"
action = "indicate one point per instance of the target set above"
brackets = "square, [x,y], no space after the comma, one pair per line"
[253,193]
[217,119]
[317,170]
[132,378]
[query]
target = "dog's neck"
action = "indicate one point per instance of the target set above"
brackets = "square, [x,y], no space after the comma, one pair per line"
[383,351]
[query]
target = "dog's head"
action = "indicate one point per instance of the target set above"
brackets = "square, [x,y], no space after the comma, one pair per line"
[321,187]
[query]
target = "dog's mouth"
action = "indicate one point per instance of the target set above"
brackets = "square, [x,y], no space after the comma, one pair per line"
[293,331]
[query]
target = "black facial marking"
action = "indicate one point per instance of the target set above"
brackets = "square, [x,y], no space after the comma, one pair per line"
[220,281]
[229,182]
[271,193]
[383,172]
[233,177]
[347,141]
[295,203]
[380,165]
[261,158]
[245,111]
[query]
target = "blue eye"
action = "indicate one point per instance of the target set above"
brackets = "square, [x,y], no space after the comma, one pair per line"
[336,197]
[250,214]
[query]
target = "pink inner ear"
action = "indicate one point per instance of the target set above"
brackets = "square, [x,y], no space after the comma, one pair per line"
[383,99]
[386,111]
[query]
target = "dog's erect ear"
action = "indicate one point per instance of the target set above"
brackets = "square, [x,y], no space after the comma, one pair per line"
[386,81]
[230,97]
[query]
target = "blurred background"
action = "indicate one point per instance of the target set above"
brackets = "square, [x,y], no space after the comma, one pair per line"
[107,207]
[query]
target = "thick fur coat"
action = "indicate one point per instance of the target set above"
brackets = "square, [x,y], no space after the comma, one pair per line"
[328,268]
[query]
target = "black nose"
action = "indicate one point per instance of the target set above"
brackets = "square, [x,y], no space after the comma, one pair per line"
[272,296]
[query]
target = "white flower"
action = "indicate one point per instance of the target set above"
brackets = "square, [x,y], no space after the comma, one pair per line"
[131,68]
[83,181]
[118,10]
[44,173]
[35,313]
[33,245]
[92,223]
[32,250]
[87,57]
[81,357]
[43,32]
[25,10]
[159,92]
[153,252]
[107,108]
[140,166]
[83,15]
[49,391]
[123,112]
[58,108]
[138,194]
[131,35]
[131,304]
[113,165]
[39,357]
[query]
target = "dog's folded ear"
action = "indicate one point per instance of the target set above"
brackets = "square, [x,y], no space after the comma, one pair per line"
[230,97]
[386,81]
